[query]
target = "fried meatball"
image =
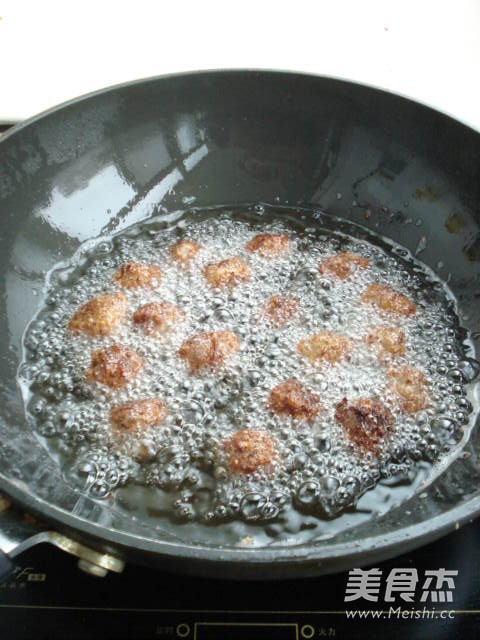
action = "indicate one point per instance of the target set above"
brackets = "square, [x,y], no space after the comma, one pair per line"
[268,244]
[100,316]
[114,366]
[388,340]
[248,451]
[389,300]
[209,349]
[158,317]
[343,265]
[134,275]
[411,386]
[227,272]
[294,399]
[138,414]
[366,422]
[325,346]
[184,250]
[280,309]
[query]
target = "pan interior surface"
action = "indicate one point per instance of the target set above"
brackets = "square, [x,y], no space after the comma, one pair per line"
[101,164]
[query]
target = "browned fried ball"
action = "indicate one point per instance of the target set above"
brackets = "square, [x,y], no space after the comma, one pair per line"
[280,309]
[366,422]
[158,317]
[138,414]
[248,451]
[268,244]
[343,265]
[184,250]
[114,366]
[227,272]
[388,340]
[411,386]
[325,345]
[133,275]
[100,316]
[389,300]
[209,349]
[294,399]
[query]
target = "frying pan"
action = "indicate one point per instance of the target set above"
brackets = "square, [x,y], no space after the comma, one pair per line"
[107,160]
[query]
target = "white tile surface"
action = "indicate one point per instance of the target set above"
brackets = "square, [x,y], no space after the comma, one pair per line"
[52,51]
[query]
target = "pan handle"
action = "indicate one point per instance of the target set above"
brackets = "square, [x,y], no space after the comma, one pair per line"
[20,531]
[12,533]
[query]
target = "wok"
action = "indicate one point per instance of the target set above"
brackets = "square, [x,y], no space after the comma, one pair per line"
[109,159]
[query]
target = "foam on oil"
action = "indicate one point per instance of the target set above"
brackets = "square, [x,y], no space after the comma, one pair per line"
[176,470]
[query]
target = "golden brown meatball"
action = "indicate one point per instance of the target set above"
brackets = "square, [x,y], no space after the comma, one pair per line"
[411,386]
[227,272]
[389,300]
[280,309]
[248,451]
[209,349]
[366,422]
[295,399]
[343,265]
[100,316]
[184,250]
[114,366]
[158,317]
[388,340]
[325,345]
[138,414]
[134,275]
[268,244]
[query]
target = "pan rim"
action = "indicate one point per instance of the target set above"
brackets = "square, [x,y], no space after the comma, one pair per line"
[227,71]
[305,555]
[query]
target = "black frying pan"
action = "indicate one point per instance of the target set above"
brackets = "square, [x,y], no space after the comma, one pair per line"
[115,156]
